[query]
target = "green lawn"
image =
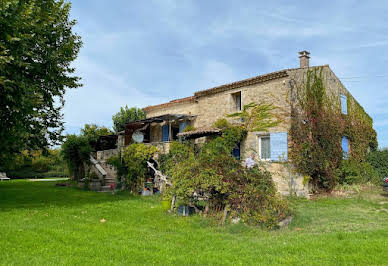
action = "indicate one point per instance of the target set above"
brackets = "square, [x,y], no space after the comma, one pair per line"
[44,224]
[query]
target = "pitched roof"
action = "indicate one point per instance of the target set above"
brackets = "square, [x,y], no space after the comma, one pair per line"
[242,83]
[229,86]
[181,100]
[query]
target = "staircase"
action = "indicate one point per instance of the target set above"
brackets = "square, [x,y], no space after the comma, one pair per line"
[104,172]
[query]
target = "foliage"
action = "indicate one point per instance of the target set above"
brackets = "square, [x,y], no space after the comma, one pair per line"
[189,128]
[354,172]
[121,170]
[317,129]
[213,173]
[37,46]
[135,158]
[93,132]
[379,160]
[257,116]
[76,153]
[32,164]
[125,116]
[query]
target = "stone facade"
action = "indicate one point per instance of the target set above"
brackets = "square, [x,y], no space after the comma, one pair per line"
[276,88]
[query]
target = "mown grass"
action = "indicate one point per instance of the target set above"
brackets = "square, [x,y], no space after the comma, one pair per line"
[43,224]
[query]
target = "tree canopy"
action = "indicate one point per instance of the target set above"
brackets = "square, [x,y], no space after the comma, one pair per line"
[37,46]
[93,131]
[125,116]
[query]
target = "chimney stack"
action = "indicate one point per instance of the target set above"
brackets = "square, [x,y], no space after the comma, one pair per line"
[304,58]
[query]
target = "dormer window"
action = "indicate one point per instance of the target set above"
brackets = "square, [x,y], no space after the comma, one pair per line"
[237,101]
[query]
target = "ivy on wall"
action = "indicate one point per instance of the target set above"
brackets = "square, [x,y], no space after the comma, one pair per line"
[317,128]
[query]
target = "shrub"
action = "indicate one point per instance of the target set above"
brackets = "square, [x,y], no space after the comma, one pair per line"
[76,153]
[353,172]
[379,160]
[122,171]
[135,158]
[213,173]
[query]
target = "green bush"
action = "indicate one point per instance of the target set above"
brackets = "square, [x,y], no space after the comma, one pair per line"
[135,159]
[122,171]
[353,172]
[214,173]
[76,153]
[379,160]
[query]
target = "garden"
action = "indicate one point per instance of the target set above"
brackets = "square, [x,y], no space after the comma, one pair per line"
[45,224]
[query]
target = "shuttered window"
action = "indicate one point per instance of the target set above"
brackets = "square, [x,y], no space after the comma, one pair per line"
[345,147]
[236,151]
[265,148]
[279,146]
[165,133]
[182,127]
[344,104]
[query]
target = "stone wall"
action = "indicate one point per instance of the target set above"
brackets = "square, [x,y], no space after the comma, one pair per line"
[278,92]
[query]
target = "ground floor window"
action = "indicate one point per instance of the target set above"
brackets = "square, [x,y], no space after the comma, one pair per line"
[273,146]
[264,147]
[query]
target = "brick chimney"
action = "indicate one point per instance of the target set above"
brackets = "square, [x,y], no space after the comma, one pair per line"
[304,58]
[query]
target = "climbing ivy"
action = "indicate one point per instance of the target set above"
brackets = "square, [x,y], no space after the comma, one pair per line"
[317,129]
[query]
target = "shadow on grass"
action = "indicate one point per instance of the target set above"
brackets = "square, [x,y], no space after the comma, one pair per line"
[31,195]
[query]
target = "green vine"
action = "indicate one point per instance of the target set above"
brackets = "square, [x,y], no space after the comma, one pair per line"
[317,129]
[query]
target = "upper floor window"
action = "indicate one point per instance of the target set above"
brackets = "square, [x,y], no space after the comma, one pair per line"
[344,104]
[237,101]
[345,147]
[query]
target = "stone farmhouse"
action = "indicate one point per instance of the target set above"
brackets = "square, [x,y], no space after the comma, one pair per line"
[165,122]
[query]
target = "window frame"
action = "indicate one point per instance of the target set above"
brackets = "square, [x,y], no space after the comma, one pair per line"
[260,136]
[344,111]
[237,104]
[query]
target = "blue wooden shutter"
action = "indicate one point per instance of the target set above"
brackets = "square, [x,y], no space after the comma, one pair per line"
[344,104]
[165,133]
[182,126]
[345,147]
[236,151]
[279,146]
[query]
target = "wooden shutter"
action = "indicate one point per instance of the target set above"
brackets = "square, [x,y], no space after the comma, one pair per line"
[345,147]
[344,104]
[182,126]
[165,133]
[279,146]
[236,151]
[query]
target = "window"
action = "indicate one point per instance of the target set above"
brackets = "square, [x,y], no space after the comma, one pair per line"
[264,147]
[345,147]
[237,101]
[273,146]
[344,104]
[236,151]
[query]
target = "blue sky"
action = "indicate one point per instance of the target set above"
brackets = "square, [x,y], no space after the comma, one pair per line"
[139,53]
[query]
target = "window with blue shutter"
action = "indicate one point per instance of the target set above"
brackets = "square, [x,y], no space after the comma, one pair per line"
[344,104]
[236,151]
[279,146]
[265,148]
[165,133]
[182,126]
[345,147]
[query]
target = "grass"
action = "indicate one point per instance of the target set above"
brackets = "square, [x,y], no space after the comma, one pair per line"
[42,224]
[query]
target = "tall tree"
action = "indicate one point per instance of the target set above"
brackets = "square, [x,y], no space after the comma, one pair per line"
[125,116]
[37,46]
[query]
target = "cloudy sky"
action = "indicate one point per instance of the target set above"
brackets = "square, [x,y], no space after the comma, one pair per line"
[139,53]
